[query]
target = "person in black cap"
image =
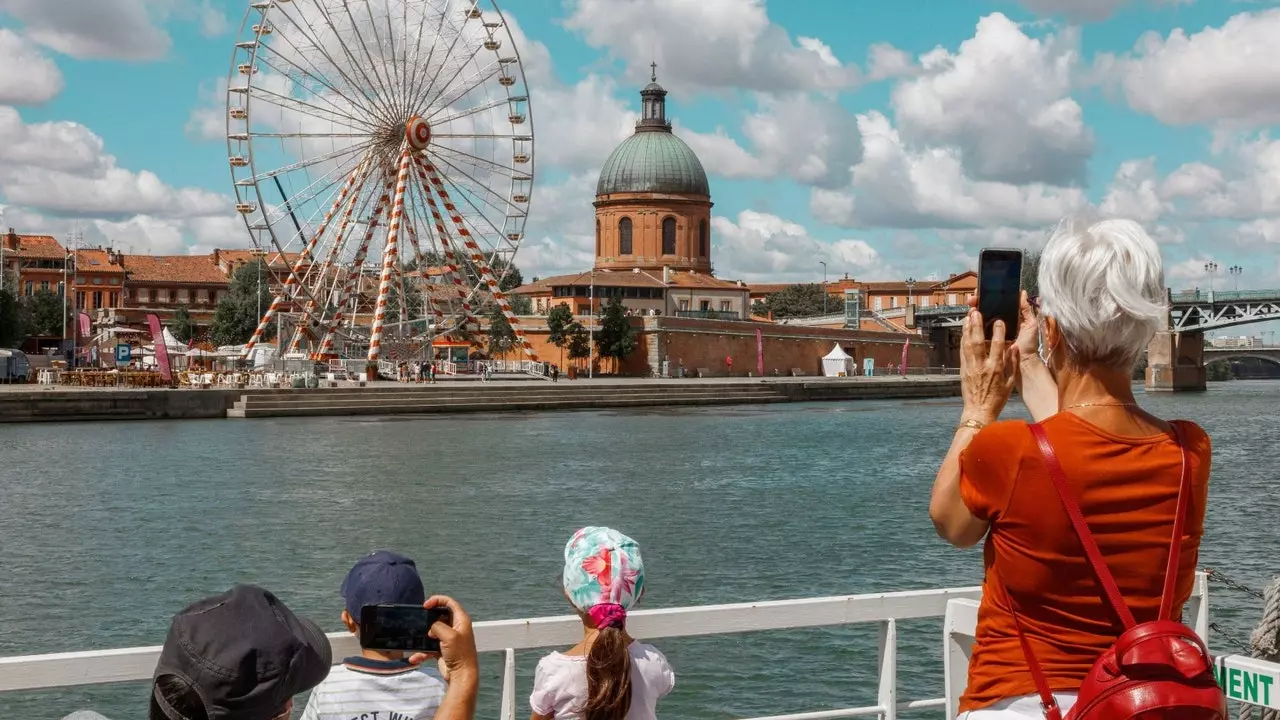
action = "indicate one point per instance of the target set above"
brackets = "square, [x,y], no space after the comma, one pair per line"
[240,655]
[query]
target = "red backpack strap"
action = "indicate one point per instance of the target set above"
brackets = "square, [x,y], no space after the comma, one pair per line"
[1109,587]
[1048,703]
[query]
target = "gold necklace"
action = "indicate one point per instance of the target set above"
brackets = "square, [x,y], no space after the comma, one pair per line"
[1101,404]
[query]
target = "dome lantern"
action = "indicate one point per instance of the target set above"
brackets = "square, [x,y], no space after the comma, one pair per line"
[653,111]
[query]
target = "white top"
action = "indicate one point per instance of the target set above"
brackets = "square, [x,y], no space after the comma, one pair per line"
[560,684]
[361,688]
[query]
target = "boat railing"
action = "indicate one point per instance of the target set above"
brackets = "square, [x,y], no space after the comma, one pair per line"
[1252,681]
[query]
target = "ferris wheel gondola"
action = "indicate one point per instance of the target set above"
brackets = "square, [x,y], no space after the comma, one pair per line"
[384,148]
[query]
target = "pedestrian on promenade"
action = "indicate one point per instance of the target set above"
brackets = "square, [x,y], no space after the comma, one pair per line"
[728,361]
[1140,482]
[555,373]
[608,675]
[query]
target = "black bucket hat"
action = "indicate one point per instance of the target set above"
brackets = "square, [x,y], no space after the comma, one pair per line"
[244,653]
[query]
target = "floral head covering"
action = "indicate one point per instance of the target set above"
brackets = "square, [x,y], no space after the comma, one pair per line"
[602,567]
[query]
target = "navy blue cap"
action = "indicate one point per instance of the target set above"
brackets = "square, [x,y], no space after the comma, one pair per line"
[381,578]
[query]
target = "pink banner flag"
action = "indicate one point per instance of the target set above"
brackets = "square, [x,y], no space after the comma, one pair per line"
[162,351]
[86,328]
[759,353]
[905,346]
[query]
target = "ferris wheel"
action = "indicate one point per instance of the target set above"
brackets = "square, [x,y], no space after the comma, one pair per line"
[382,150]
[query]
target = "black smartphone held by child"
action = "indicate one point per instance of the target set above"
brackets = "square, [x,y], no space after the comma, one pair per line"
[1000,289]
[400,627]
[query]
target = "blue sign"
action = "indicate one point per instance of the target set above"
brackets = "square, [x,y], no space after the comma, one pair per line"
[123,354]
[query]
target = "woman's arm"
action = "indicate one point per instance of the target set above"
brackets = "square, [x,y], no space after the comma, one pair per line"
[951,518]
[986,379]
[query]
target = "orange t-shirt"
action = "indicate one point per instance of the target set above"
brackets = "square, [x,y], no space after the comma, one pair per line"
[1127,489]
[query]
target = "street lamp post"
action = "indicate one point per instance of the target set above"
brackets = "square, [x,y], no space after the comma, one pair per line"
[911,285]
[1210,268]
[591,329]
[824,286]
[1235,271]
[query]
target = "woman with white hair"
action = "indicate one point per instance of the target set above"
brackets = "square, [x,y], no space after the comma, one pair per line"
[1102,298]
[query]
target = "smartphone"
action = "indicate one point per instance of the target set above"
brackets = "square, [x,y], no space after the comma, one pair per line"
[400,627]
[1000,289]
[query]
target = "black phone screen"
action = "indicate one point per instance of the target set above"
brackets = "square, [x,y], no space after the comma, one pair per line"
[399,627]
[1000,289]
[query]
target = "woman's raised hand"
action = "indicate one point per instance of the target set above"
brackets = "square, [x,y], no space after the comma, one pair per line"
[987,370]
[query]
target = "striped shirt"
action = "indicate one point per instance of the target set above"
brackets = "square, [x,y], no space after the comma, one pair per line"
[365,689]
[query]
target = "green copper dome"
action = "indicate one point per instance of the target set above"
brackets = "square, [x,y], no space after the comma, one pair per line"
[653,161]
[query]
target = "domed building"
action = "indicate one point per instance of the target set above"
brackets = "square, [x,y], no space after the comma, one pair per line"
[652,231]
[653,201]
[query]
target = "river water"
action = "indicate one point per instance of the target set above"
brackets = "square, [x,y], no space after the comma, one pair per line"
[109,528]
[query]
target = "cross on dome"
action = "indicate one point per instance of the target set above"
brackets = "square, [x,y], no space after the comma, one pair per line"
[653,76]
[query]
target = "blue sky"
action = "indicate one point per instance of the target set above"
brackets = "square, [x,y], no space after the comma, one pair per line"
[885,139]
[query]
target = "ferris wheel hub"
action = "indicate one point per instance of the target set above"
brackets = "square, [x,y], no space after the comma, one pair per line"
[418,132]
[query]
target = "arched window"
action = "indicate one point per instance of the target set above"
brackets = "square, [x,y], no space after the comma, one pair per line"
[624,236]
[669,236]
[702,238]
[597,238]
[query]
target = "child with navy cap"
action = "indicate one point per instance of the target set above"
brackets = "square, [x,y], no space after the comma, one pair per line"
[381,684]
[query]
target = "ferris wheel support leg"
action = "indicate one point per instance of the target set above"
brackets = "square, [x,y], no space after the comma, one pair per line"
[308,312]
[389,257]
[478,259]
[326,351]
[291,283]
[452,264]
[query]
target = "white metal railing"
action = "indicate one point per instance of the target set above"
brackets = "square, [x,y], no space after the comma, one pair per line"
[1247,680]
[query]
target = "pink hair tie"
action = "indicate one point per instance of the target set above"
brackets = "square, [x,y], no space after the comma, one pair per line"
[607,615]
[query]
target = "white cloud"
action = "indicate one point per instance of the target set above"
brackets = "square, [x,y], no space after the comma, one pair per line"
[54,175]
[821,154]
[1135,193]
[1004,100]
[111,29]
[27,76]
[1075,10]
[1245,184]
[709,44]
[560,235]
[760,246]
[1220,74]
[894,186]
[886,61]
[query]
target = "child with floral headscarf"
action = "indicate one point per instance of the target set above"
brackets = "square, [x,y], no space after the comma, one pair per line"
[607,676]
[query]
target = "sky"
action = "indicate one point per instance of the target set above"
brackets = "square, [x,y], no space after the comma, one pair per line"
[885,139]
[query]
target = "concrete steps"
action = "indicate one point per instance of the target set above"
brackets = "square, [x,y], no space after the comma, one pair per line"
[425,403]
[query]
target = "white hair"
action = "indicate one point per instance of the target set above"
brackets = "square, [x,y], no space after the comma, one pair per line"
[1104,284]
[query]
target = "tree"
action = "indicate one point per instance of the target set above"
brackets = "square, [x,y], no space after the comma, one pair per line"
[513,278]
[759,307]
[236,316]
[502,338]
[521,305]
[181,326]
[559,324]
[617,339]
[578,340]
[41,314]
[11,333]
[1031,272]
[806,300]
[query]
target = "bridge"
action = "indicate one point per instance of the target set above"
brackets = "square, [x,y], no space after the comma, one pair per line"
[1175,356]
[1191,311]
[1266,353]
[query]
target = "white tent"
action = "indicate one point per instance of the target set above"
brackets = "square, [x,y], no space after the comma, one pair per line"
[838,363]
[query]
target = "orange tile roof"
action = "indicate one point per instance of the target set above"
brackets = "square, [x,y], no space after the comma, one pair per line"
[237,256]
[603,278]
[96,260]
[177,269]
[33,246]
[702,280]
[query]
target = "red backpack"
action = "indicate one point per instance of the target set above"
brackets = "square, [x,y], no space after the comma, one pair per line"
[1158,670]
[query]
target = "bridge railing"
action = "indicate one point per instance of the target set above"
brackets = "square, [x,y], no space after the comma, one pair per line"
[1219,296]
[1244,679]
